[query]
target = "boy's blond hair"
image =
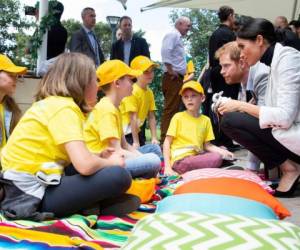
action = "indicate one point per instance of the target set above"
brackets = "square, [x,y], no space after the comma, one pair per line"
[232,49]
[68,76]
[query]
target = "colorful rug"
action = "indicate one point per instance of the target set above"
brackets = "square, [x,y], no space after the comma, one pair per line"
[77,231]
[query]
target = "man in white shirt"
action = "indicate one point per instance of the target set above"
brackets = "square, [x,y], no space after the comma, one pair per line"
[174,66]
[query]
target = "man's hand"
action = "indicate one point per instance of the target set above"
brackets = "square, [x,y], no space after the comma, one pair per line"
[229,106]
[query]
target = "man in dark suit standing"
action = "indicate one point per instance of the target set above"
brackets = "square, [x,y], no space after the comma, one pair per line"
[84,40]
[130,45]
[219,37]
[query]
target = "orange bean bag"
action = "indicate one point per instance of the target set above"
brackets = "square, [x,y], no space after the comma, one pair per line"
[143,188]
[235,187]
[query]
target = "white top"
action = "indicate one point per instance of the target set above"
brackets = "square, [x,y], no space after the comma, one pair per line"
[172,52]
[282,101]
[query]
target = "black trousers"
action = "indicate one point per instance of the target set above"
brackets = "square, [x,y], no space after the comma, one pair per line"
[105,188]
[245,129]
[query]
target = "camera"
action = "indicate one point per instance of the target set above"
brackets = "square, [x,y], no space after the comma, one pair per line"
[30,10]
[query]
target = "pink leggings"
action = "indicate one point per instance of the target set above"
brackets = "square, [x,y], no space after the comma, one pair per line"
[204,160]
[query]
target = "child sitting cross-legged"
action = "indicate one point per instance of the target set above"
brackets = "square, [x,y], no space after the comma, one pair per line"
[103,128]
[187,144]
[47,169]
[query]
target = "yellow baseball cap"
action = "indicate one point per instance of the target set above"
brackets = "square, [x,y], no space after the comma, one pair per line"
[192,85]
[8,66]
[112,70]
[142,63]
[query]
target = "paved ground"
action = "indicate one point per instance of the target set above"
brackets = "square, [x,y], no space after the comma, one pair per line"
[293,204]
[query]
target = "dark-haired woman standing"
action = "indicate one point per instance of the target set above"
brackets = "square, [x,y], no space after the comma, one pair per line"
[271,132]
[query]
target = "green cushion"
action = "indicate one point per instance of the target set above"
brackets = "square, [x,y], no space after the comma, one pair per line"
[190,230]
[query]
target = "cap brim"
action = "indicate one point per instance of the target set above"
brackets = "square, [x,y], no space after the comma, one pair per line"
[189,87]
[134,73]
[16,70]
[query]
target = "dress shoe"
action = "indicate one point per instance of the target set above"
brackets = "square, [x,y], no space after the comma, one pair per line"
[290,192]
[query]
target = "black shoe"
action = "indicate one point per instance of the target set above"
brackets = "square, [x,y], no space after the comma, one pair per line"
[290,192]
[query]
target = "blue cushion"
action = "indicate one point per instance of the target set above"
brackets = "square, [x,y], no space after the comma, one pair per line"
[215,203]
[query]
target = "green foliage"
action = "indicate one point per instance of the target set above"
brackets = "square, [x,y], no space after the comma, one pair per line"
[11,24]
[71,26]
[103,32]
[157,91]
[47,21]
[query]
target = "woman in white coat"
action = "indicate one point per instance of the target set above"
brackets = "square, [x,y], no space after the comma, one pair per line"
[271,132]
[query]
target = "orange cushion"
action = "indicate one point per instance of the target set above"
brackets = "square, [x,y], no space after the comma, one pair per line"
[234,187]
[143,188]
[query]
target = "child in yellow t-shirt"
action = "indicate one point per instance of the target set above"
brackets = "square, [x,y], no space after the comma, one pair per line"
[38,180]
[104,126]
[140,105]
[10,112]
[187,145]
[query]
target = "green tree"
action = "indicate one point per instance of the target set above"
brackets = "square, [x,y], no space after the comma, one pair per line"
[12,24]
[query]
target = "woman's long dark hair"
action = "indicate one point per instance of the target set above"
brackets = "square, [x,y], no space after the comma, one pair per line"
[257,26]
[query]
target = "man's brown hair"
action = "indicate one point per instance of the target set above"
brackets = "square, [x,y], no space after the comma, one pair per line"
[232,49]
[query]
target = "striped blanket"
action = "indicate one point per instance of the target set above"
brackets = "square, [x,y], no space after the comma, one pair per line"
[77,231]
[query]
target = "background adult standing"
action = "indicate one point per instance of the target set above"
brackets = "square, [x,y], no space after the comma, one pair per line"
[222,35]
[84,40]
[127,47]
[174,66]
[130,45]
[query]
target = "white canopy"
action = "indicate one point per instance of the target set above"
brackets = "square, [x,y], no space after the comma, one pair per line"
[268,9]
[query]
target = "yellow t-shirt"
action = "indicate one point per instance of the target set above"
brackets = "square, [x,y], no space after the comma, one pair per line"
[40,134]
[3,141]
[189,134]
[104,122]
[141,102]
[190,68]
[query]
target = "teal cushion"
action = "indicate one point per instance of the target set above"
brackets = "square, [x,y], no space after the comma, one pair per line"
[215,203]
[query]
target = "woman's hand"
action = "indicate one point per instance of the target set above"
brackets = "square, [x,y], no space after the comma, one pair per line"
[229,106]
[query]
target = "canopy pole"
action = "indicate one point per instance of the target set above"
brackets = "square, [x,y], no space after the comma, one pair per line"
[42,51]
[294,10]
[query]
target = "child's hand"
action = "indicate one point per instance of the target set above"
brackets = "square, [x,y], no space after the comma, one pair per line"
[135,145]
[154,141]
[117,159]
[227,155]
[169,171]
[107,152]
